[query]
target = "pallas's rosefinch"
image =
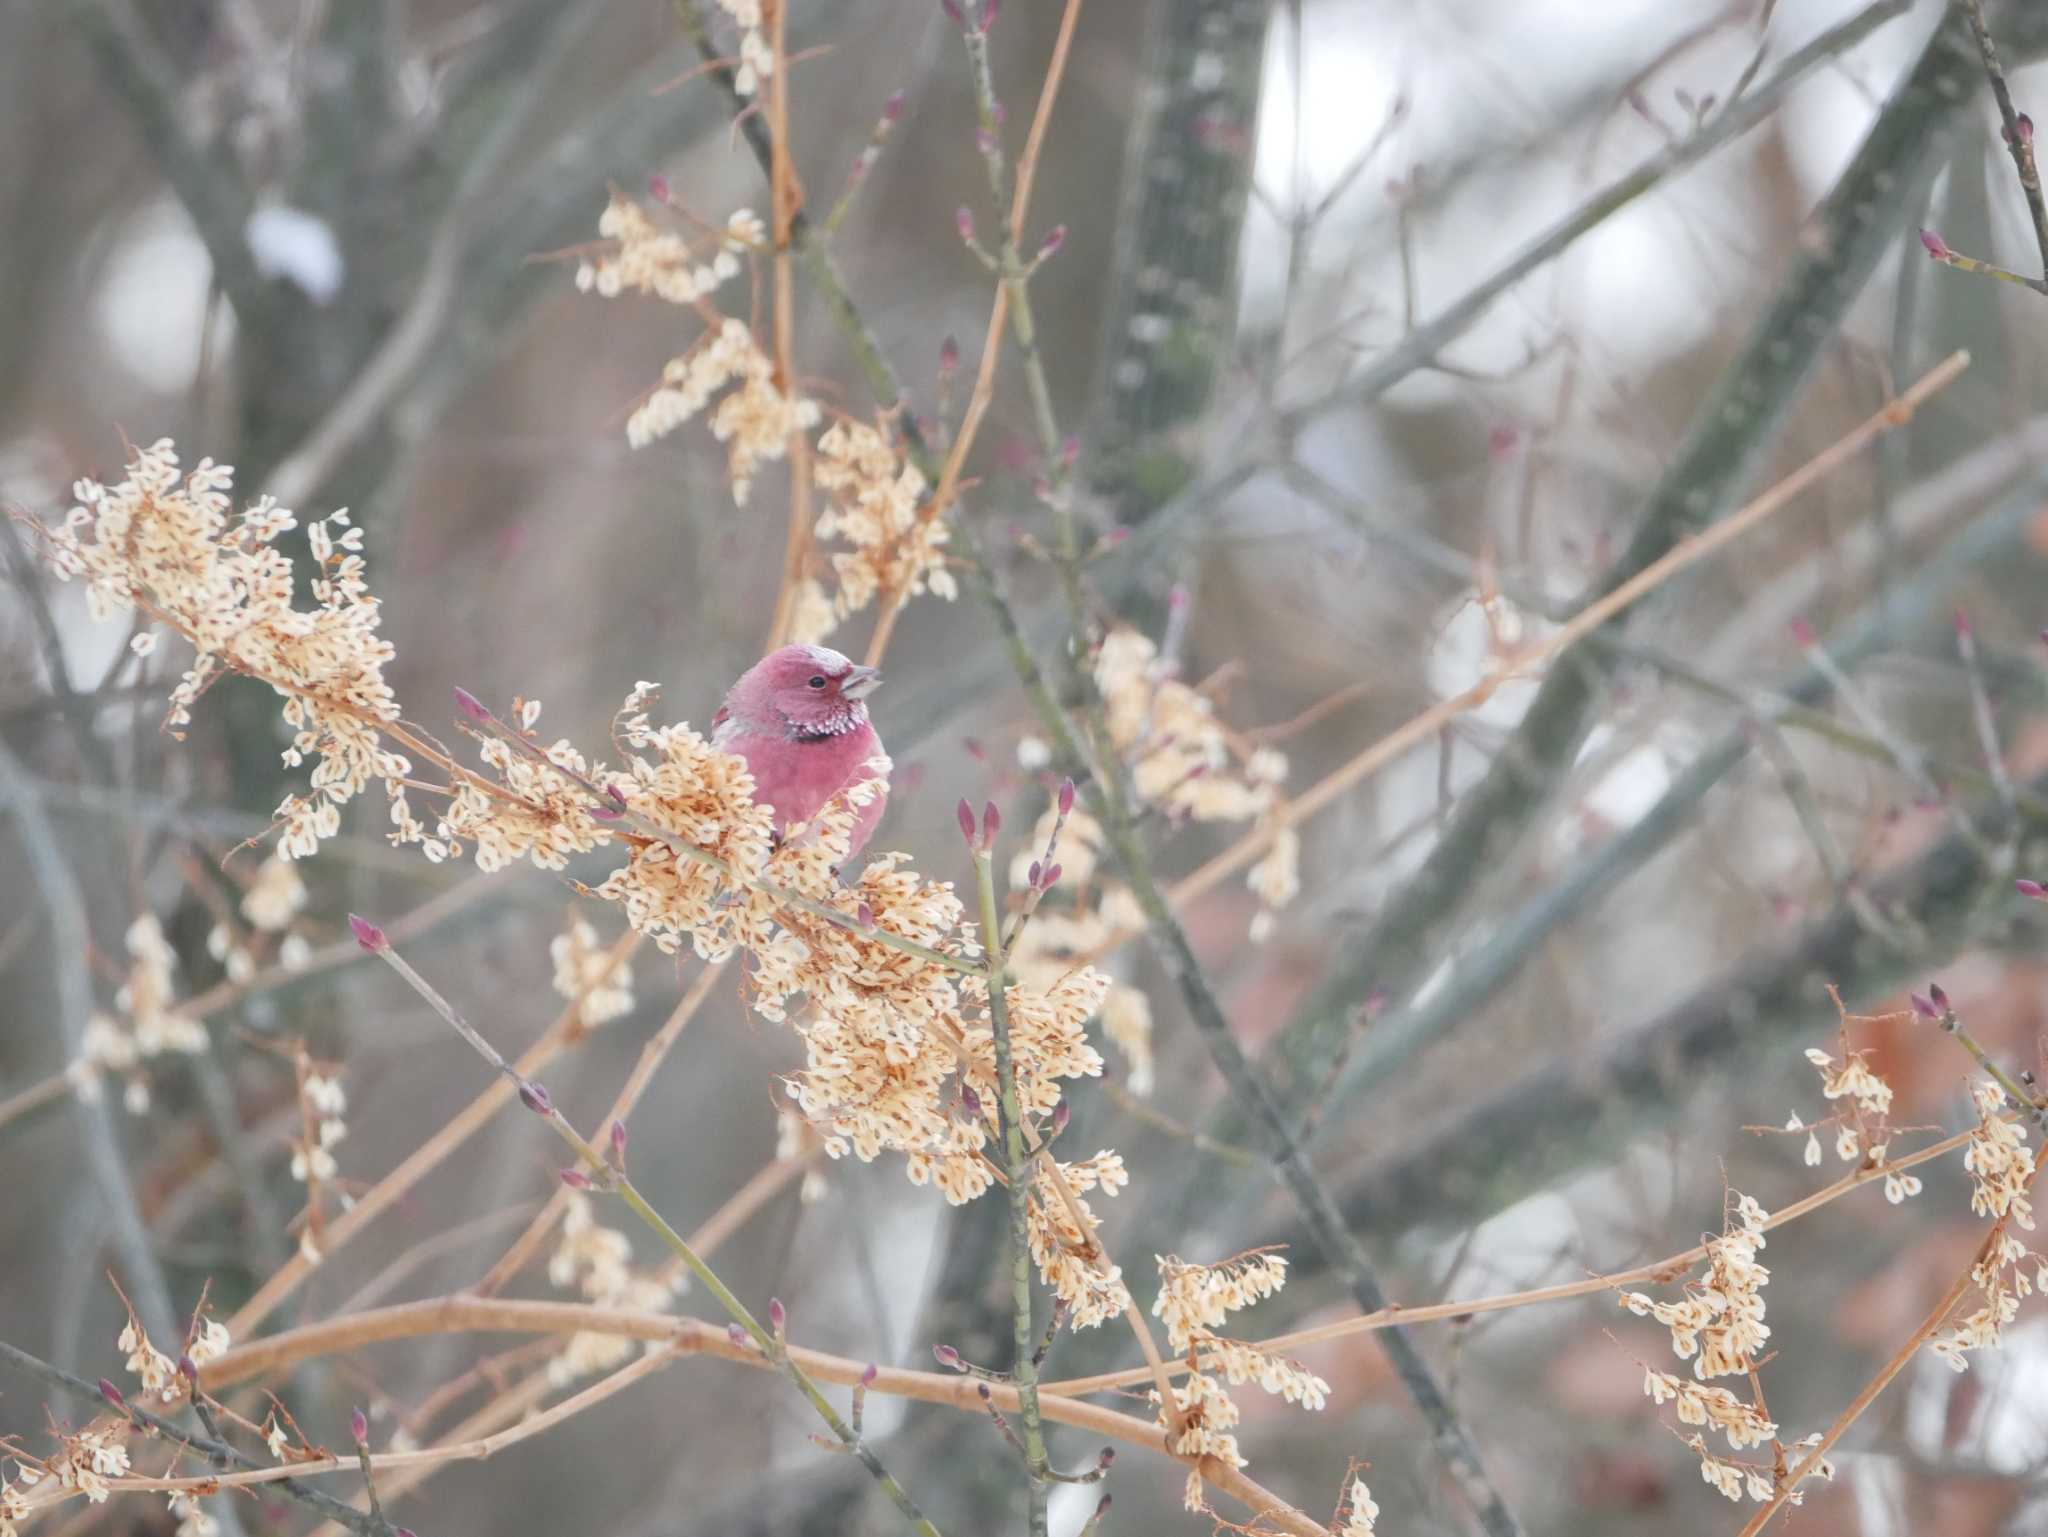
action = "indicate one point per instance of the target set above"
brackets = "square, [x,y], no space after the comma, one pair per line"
[799,717]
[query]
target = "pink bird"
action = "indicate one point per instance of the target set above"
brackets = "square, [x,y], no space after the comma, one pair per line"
[799,717]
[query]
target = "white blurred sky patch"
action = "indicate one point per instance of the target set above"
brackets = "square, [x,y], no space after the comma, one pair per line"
[150,299]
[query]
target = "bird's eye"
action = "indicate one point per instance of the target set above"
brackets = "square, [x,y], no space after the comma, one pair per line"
[817,680]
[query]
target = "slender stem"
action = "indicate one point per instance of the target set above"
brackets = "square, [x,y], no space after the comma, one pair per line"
[1017,1161]
[2019,140]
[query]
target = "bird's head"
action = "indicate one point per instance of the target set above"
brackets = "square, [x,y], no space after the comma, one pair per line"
[809,691]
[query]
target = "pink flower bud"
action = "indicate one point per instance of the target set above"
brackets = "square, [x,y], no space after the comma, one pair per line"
[1054,239]
[113,1396]
[657,187]
[358,1426]
[963,221]
[969,1099]
[778,1315]
[952,9]
[576,1179]
[1940,998]
[2025,125]
[1108,1456]
[990,7]
[949,354]
[864,915]
[1116,536]
[1061,1114]
[1962,622]
[189,1370]
[1802,634]
[619,1140]
[974,749]
[738,1335]
[946,1355]
[1177,597]
[983,1389]
[1034,876]
[1052,878]
[535,1097]
[472,707]
[1924,1007]
[1070,447]
[892,109]
[965,813]
[991,824]
[1066,801]
[1936,246]
[867,1378]
[616,796]
[367,934]
[604,814]
[2032,889]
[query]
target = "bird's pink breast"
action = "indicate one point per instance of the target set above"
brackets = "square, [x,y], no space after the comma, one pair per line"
[798,777]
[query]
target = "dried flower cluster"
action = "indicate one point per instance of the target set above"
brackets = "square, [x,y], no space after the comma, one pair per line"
[1360,1511]
[1089,1286]
[874,496]
[1719,1326]
[1193,1301]
[149,1024]
[2001,1168]
[757,59]
[163,543]
[1863,1129]
[647,259]
[589,976]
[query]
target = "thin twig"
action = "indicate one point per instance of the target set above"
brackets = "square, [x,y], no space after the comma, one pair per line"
[2019,130]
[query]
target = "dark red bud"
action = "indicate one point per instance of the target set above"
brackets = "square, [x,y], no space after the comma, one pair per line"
[965,813]
[616,796]
[576,1179]
[359,1426]
[988,14]
[2025,125]
[1066,801]
[1934,991]
[864,915]
[952,9]
[189,1370]
[113,1396]
[892,109]
[1108,1456]
[1052,878]
[970,1099]
[1802,634]
[738,1335]
[1054,239]
[657,187]
[982,1389]
[1034,876]
[367,934]
[963,221]
[946,1355]
[974,749]
[604,814]
[1962,621]
[2034,889]
[949,355]
[1061,1114]
[991,824]
[535,1097]
[618,1139]
[472,706]
[778,1315]
[867,1378]
[1936,246]
[1924,1007]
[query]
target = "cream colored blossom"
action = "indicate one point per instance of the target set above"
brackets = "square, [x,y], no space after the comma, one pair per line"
[275,896]
[1360,1511]
[752,418]
[873,501]
[587,975]
[648,259]
[1719,1324]
[1127,1021]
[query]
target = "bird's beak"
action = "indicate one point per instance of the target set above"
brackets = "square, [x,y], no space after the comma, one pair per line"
[860,682]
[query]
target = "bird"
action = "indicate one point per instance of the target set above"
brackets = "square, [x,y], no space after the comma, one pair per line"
[799,717]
